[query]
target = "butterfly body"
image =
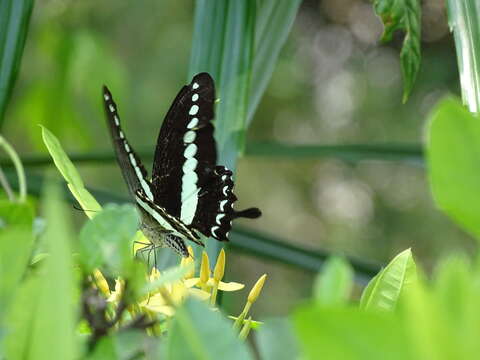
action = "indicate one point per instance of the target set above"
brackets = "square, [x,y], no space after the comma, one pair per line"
[188,193]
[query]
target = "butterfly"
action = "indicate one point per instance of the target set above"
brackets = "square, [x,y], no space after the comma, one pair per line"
[188,193]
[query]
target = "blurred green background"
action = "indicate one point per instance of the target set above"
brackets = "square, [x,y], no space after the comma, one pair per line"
[334,84]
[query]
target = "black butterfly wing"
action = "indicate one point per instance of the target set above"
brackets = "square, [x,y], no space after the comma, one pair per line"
[185,178]
[185,149]
[131,166]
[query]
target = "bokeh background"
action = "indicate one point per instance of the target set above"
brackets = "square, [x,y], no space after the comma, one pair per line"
[334,84]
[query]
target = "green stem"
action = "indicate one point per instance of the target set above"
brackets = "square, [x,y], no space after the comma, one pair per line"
[18,167]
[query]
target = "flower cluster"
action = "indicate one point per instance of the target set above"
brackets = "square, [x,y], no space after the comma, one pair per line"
[163,299]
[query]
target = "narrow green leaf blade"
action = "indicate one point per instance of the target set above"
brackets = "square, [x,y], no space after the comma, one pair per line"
[52,334]
[403,15]
[453,155]
[334,284]
[464,21]
[70,174]
[223,44]
[384,290]
[198,332]
[273,24]
[14,21]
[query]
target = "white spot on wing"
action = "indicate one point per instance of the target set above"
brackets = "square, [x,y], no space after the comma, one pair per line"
[222,204]
[192,123]
[215,228]
[132,160]
[194,97]
[190,151]
[195,86]
[224,177]
[224,190]
[127,148]
[106,97]
[219,218]
[193,110]
[189,137]
[115,118]
[120,133]
[111,107]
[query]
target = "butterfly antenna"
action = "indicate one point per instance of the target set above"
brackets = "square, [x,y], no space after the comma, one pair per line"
[250,213]
[76,207]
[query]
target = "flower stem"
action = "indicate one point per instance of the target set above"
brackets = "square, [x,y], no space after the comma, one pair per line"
[22,184]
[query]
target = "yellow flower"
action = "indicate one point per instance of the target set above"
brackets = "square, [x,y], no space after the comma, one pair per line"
[206,282]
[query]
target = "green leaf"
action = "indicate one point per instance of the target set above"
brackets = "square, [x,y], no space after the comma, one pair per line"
[403,15]
[16,245]
[350,333]
[453,154]
[106,240]
[464,21]
[15,215]
[52,329]
[276,340]
[223,44]
[274,21]
[385,289]
[20,317]
[14,20]
[333,285]
[198,332]
[429,331]
[70,174]
[124,345]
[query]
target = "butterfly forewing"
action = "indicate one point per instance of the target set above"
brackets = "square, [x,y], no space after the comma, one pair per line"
[185,151]
[131,166]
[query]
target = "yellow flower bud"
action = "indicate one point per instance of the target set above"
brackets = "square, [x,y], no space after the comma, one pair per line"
[257,288]
[189,262]
[219,266]
[204,268]
[190,252]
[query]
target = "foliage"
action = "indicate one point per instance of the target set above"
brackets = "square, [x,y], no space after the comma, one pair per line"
[89,296]
[453,152]
[403,15]
[14,20]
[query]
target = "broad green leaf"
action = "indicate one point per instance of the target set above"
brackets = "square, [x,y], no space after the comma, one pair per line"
[70,174]
[198,332]
[403,15]
[453,155]
[464,21]
[15,215]
[385,289]
[124,345]
[106,240]
[334,283]
[429,330]
[52,330]
[457,293]
[276,340]
[350,333]
[274,21]
[14,20]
